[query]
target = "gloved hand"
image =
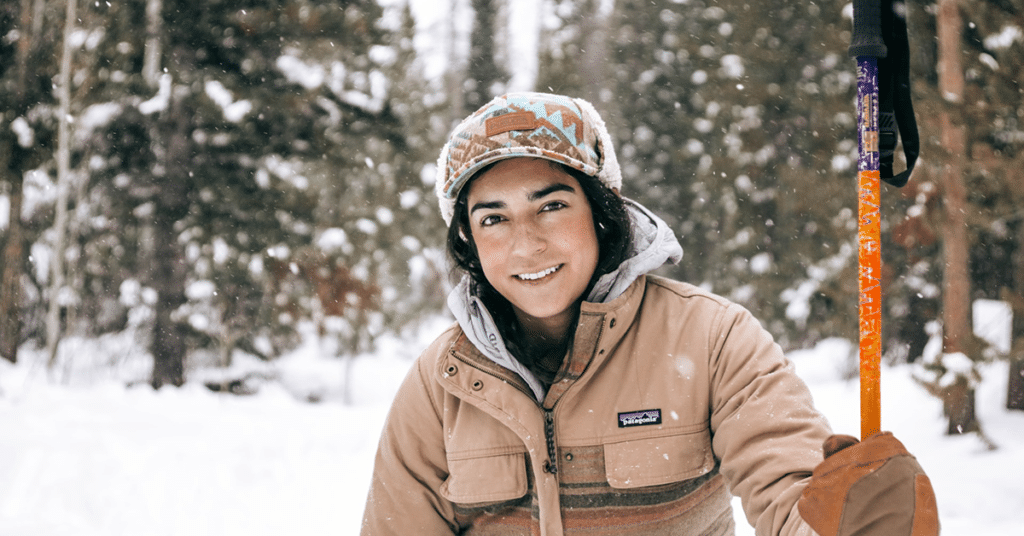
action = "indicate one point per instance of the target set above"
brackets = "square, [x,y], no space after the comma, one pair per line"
[871,487]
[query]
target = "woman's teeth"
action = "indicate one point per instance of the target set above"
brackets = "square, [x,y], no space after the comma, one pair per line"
[538,275]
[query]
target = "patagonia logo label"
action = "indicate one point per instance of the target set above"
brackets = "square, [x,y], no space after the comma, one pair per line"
[640,418]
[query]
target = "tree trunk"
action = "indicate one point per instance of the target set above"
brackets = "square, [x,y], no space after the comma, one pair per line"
[483,70]
[169,267]
[154,43]
[1015,383]
[956,283]
[168,344]
[594,64]
[53,328]
[12,172]
[14,253]
[455,74]
[959,407]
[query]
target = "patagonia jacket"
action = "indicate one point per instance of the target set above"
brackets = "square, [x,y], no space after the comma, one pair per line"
[670,401]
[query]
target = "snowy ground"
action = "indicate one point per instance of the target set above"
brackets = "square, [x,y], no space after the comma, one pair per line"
[83,455]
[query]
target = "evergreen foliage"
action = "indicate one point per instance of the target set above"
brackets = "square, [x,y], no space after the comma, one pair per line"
[279,168]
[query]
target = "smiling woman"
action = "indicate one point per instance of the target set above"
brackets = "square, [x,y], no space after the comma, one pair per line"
[557,403]
[534,233]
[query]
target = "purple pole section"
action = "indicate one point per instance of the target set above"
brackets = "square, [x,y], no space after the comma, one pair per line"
[867,109]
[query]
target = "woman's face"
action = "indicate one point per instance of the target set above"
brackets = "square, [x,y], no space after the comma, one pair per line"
[534,233]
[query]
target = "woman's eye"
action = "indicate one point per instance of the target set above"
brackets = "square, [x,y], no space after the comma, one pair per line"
[490,220]
[554,205]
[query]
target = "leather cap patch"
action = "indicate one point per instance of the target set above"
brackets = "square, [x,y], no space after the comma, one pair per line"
[509,122]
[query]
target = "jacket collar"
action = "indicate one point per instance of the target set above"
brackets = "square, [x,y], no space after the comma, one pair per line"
[599,330]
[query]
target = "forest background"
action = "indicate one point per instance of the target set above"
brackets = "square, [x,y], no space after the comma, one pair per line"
[204,178]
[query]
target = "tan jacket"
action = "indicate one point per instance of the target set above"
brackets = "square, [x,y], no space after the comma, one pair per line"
[671,398]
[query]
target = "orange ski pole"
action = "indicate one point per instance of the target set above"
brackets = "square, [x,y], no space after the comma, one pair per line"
[884,114]
[867,46]
[869,284]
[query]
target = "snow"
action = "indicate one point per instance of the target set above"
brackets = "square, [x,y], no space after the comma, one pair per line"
[21,128]
[93,118]
[309,76]
[234,111]
[1005,38]
[83,454]
[993,323]
[333,239]
[367,226]
[732,66]
[161,100]
[5,212]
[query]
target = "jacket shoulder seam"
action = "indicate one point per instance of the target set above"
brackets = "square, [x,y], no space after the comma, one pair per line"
[688,291]
[723,306]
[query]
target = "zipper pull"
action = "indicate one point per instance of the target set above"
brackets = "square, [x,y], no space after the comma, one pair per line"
[549,433]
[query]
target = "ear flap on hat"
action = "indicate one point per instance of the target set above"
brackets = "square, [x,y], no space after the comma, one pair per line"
[610,173]
[440,179]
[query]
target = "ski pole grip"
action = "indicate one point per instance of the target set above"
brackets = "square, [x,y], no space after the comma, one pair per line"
[867,30]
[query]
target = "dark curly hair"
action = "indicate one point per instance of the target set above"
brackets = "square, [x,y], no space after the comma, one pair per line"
[612,225]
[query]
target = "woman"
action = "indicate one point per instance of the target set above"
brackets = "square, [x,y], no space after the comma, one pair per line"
[577,394]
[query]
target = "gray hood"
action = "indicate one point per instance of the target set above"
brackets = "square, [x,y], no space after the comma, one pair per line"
[654,244]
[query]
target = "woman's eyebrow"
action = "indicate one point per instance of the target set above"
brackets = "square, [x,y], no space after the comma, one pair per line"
[558,187]
[487,205]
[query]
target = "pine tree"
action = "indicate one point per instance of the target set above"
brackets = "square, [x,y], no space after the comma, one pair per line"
[27,64]
[484,79]
[735,132]
[260,108]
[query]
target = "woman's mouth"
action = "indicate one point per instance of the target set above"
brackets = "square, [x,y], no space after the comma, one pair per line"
[537,275]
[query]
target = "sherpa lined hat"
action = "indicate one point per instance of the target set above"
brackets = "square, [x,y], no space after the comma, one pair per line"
[539,125]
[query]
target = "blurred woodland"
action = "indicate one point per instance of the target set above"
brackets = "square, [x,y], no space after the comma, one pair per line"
[207,176]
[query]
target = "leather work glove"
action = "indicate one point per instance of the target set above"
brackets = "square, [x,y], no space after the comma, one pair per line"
[872,487]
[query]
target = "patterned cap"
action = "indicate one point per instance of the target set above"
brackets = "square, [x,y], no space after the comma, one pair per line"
[538,125]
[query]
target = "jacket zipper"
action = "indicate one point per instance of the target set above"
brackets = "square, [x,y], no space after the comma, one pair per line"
[549,435]
[549,420]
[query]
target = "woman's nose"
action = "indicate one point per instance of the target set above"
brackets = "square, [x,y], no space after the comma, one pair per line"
[527,239]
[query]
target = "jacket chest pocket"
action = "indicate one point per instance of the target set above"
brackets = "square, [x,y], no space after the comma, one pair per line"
[653,461]
[488,477]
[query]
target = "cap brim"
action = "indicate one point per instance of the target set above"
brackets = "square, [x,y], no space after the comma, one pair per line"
[463,176]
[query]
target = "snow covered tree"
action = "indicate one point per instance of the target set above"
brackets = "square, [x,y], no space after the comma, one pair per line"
[956,306]
[969,194]
[259,132]
[27,137]
[737,132]
[379,218]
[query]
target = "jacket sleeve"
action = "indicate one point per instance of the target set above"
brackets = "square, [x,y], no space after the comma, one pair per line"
[410,465]
[765,429]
